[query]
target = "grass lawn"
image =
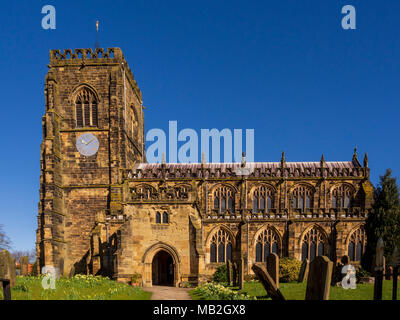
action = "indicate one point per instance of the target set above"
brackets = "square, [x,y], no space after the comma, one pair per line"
[76,288]
[297,291]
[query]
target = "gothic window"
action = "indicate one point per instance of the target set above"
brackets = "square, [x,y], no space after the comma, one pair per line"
[302,198]
[165,217]
[86,109]
[221,247]
[356,244]
[263,199]
[267,242]
[313,244]
[158,217]
[341,197]
[224,199]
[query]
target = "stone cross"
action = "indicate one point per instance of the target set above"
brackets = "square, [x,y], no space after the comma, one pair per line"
[267,282]
[319,279]
[303,274]
[273,267]
[24,265]
[229,272]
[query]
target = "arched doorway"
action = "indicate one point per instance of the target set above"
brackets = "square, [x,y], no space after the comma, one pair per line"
[163,270]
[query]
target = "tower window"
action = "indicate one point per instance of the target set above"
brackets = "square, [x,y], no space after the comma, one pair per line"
[86,109]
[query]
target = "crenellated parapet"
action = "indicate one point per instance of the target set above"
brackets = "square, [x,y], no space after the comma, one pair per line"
[96,57]
[110,55]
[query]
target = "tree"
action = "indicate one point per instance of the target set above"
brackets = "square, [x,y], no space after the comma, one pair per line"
[385,220]
[18,254]
[5,242]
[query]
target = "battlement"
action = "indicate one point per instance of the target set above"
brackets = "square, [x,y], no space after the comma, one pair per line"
[98,56]
[113,55]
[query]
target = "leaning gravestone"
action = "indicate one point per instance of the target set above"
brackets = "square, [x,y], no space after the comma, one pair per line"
[273,267]
[303,274]
[319,279]
[24,265]
[267,282]
[229,272]
[7,267]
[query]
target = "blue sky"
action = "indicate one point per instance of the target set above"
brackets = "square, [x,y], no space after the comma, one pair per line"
[283,68]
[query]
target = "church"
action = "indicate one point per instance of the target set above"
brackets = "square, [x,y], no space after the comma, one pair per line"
[104,210]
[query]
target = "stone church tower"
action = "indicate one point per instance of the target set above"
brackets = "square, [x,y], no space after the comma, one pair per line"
[103,210]
[92,92]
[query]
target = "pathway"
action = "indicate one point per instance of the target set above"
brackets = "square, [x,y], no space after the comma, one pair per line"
[168,293]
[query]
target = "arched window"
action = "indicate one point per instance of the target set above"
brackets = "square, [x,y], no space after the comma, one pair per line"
[221,247]
[356,246]
[158,217]
[342,197]
[267,242]
[263,199]
[314,244]
[224,199]
[165,217]
[302,198]
[86,111]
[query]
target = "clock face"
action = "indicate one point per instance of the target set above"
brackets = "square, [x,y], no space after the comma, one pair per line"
[87,144]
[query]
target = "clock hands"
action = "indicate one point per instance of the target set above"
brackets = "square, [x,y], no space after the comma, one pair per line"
[91,140]
[86,143]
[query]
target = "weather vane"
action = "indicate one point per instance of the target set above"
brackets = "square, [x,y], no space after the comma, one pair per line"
[97,34]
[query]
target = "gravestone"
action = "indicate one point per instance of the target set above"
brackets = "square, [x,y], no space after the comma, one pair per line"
[273,267]
[319,279]
[303,274]
[7,267]
[389,273]
[267,282]
[229,272]
[24,265]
